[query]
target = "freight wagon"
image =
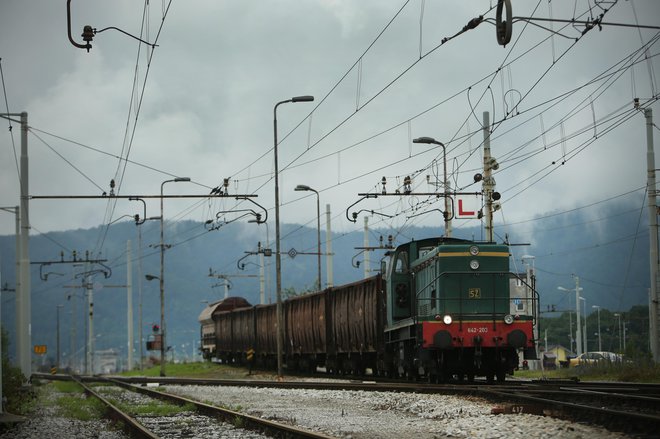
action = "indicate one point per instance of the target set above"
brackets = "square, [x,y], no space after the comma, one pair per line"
[443,308]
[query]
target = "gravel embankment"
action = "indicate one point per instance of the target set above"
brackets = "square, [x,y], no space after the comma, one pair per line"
[46,422]
[361,415]
[344,414]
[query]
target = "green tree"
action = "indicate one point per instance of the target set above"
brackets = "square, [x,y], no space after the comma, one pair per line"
[12,379]
[557,330]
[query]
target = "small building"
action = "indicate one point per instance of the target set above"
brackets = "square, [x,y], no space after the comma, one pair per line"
[106,361]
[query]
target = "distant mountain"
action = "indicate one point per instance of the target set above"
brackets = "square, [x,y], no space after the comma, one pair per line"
[608,250]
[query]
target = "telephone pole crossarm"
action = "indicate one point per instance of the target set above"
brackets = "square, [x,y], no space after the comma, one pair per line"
[129,197]
[449,196]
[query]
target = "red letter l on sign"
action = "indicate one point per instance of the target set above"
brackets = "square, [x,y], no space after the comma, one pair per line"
[462,212]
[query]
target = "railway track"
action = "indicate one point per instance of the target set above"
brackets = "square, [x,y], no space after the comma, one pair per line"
[204,421]
[629,408]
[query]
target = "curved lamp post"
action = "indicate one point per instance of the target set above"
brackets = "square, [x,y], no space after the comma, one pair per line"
[578,330]
[600,345]
[278,263]
[162,276]
[302,187]
[431,140]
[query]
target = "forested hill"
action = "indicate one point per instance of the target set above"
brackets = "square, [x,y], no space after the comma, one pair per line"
[608,250]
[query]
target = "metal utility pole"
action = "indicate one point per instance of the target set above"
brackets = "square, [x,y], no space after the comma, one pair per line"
[654,307]
[367,261]
[25,341]
[278,260]
[328,246]
[489,181]
[23,290]
[262,282]
[58,337]
[600,344]
[129,305]
[90,321]
[531,304]
[1,396]
[578,331]
[17,214]
[618,324]
[448,213]
[141,342]
[72,334]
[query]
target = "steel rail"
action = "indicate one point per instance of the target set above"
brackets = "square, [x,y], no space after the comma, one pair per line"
[247,421]
[625,420]
[131,424]
[522,396]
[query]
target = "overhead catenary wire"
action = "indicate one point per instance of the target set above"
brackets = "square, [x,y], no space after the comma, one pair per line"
[11,131]
[119,175]
[376,171]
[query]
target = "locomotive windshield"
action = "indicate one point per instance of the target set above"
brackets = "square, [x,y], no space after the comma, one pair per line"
[401,262]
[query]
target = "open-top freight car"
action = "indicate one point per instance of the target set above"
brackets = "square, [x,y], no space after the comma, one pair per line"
[338,328]
[208,327]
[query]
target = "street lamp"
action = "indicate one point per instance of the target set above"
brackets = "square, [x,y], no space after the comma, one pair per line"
[138,222]
[278,262]
[584,333]
[597,308]
[162,276]
[58,336]
[578,330]
[302,187]
[618,319]
[431,140]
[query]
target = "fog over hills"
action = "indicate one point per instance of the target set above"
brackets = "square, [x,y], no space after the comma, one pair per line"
[606,247]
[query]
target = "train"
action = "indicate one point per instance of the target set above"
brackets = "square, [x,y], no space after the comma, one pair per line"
[440,309]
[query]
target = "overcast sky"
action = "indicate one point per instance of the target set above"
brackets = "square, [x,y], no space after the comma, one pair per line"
[200,105]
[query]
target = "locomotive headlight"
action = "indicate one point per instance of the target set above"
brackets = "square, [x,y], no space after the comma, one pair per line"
[447,319]
[474,250]
[508,319]
[474,264]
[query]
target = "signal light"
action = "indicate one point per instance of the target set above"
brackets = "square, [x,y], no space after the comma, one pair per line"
[155,328]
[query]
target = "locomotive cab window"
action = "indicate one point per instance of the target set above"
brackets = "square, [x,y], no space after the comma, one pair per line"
[401,263]
[424,251]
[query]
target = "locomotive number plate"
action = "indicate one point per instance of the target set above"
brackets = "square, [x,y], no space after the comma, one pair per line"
[478,330]
[474,293]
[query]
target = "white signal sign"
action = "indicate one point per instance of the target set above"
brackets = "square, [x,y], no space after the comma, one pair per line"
[467,206]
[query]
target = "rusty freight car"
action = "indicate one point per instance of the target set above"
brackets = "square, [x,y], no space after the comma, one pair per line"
[306,336]
[207,319]
[357,317]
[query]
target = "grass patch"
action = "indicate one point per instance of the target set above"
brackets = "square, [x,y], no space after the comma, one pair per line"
[71,402]
[193,370]
[67,387]
[156,408]
[81,408]
[635,372]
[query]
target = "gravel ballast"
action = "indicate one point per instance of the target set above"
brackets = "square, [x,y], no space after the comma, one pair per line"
[360,414]
[344,414]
